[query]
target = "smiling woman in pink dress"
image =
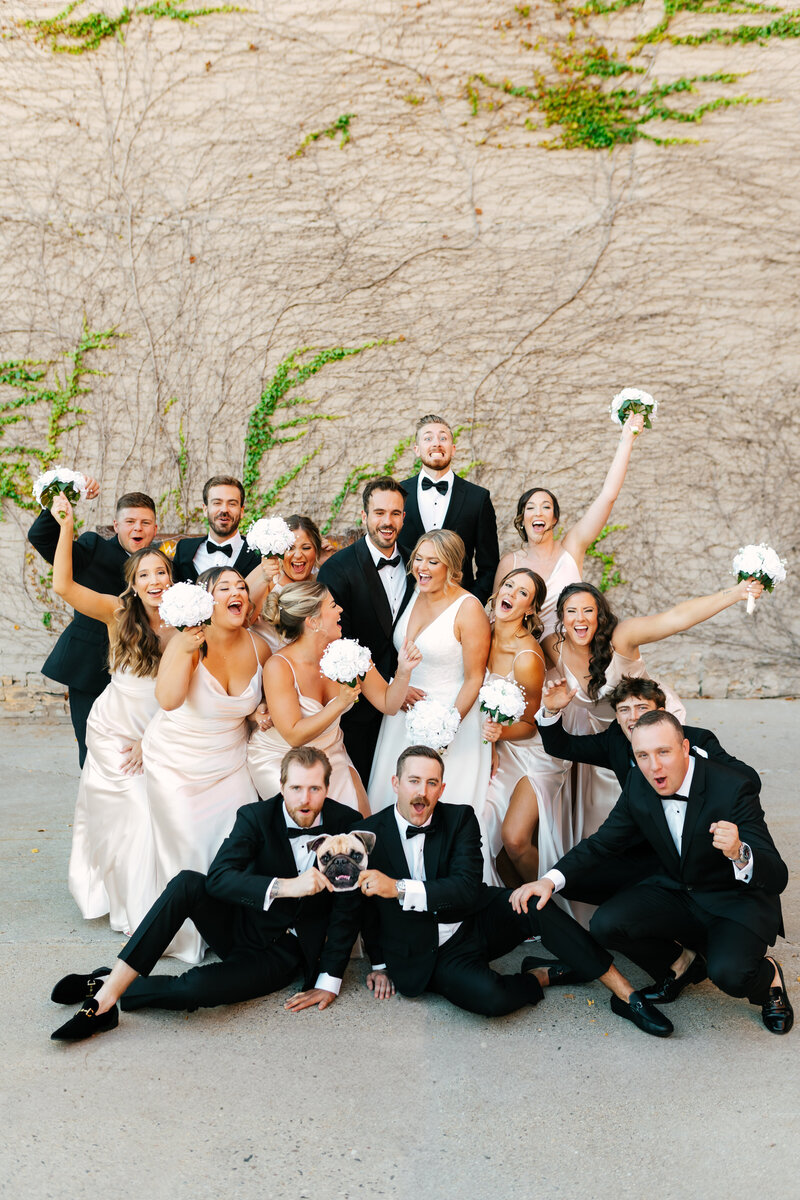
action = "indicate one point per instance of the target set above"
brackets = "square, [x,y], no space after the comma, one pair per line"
[298,564]
[560,562]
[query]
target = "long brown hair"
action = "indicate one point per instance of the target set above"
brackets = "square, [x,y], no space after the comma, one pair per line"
[601,649]
[133,643]
[532,621]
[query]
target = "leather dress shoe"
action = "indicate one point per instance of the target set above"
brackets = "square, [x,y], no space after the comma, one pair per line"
[643,1015]
[558,973]
[86,1022]
[74,988]
[776,1011]
[672,985]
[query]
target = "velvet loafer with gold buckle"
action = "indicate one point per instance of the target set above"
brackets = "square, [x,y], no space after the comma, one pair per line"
[87,1021]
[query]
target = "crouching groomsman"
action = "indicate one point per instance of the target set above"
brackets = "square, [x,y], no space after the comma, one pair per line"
[720,875]
[264,909]
[431,924]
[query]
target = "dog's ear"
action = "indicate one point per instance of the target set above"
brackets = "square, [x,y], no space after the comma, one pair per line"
[367,837]
[317,842]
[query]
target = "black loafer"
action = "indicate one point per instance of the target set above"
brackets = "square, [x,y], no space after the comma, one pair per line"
[643,1015]
[86,1022]
[557,972]
[776,1011]
[671,986]
[74,988]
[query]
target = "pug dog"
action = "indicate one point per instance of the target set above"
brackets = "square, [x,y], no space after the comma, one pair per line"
[343,856]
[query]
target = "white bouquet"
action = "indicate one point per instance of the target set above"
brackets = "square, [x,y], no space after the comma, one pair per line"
[60,479]
[503,700]
[345,661]
[185,605]
[633,400]
[761,563]
[270,536]
[431,723]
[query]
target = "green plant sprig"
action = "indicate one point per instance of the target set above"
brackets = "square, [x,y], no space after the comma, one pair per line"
[341,125]
[77,35]
[611,576]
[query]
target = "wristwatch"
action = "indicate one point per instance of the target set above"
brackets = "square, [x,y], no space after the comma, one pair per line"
[401,889]
[744,855]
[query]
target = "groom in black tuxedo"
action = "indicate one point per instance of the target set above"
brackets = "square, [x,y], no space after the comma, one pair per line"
[264,908]
[369,581]
[79,658]
[223,504]
[718,881]
[437,498]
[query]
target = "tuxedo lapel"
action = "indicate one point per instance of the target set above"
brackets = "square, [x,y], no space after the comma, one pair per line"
[412,526]
[656,822]
[278,840]
[434,843]
[392,847]
[375,589]
[694,807]
[458,495]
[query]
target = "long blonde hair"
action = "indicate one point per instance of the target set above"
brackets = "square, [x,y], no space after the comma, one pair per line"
[133,643]
[449,548]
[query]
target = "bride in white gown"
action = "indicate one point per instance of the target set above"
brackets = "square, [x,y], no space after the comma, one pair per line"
[451,631]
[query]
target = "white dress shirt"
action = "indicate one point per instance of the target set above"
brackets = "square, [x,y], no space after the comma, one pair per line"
[204,559]
[433,506]
[393,578]
[675,814]
[304,858]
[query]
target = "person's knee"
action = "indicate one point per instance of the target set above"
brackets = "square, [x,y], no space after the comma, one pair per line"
[733,978]
[187,883]
[604,926]
[516,841]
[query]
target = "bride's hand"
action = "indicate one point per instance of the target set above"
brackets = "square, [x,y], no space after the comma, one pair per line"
[634,424]
[62,510]
[408,658]
[749,587]
[132,759]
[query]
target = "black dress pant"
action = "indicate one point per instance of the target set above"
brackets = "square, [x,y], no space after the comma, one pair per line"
[243,974]
[360,729]
[645,922]
[80,704]
[462,972]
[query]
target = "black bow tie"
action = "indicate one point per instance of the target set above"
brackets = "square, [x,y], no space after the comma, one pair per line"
[413,830]
[213,548]
[387,562]
[441,485]
[314,831]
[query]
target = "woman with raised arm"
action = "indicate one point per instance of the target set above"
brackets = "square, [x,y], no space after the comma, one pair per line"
[298,564]
[526,782]
[195,748]
[305,707]
[560,561]
[451,631]
[112,863]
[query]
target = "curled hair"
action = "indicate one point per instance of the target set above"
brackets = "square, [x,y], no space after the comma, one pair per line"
[305,756]
[209,580]
[133,643]
[600,647]
[532,621]
[640,688]
[449,548]
[519,519]
[288,609]
[309,527]
[418,752]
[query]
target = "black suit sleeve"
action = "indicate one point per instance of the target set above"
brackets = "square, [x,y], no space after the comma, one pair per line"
[343,928]
[43,536]
[575,747]
[337,581]
[487,550]
[769,869]
[232,876]
[707,741]
[458,888]
[618,833]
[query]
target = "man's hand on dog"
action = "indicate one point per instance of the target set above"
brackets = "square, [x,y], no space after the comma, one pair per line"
[308,883]
[375,883]
[308,999]
[380,983]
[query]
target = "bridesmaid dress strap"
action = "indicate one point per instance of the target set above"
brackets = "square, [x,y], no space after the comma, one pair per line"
[538,654]
[291,668]
[255,651]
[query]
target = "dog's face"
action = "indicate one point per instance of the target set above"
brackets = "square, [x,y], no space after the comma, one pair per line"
[343,856]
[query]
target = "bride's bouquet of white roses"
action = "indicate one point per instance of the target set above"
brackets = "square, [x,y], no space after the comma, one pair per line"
[185,605]
[270,536]
[60,479]
[431,723]
[503,700]
[345,661]
[633,400]
[762,564]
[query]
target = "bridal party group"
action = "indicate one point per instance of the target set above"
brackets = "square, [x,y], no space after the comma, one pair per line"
[179,726]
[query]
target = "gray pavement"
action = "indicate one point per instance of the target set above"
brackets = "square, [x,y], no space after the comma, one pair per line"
[400,1098]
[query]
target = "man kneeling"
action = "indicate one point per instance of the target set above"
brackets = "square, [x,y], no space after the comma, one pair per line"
[431,924]
[264,908]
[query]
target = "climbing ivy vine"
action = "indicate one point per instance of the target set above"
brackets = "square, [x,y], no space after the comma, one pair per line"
[69,34]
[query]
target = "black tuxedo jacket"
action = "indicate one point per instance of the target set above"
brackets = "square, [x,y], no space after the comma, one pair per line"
[80,656]
[257,851]
[610,748]
[717,794]
[408,942]
[471,515]
[183,570]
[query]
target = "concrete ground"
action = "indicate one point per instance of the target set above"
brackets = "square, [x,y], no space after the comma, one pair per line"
[400,1098]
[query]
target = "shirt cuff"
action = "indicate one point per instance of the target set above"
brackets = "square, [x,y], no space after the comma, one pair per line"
[543,718]
[268,897]
[416,898]
[556,878]
[744,874]
[379,966]
[328,983]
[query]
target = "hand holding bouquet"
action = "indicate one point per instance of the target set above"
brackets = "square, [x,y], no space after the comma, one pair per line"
[503,701]
[632,401]
[345,661]
[762,564]
[60,479]
[186,606]
[431,723]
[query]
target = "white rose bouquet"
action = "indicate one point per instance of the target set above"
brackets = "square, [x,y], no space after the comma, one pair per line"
[633,400]
[185,605]
[431,723]
[503,700]
[345,661]
[762,564]
[60,479]
[270,536]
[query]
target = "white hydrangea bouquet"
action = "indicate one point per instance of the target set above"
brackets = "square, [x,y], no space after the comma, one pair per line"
[431,723]
[270,536]
[633,400]
[503,700]
[762,564]
[185,605]
[60,479]
[345,661]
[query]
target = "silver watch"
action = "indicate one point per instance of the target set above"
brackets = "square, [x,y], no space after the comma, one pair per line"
[401,889]
[744,855]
